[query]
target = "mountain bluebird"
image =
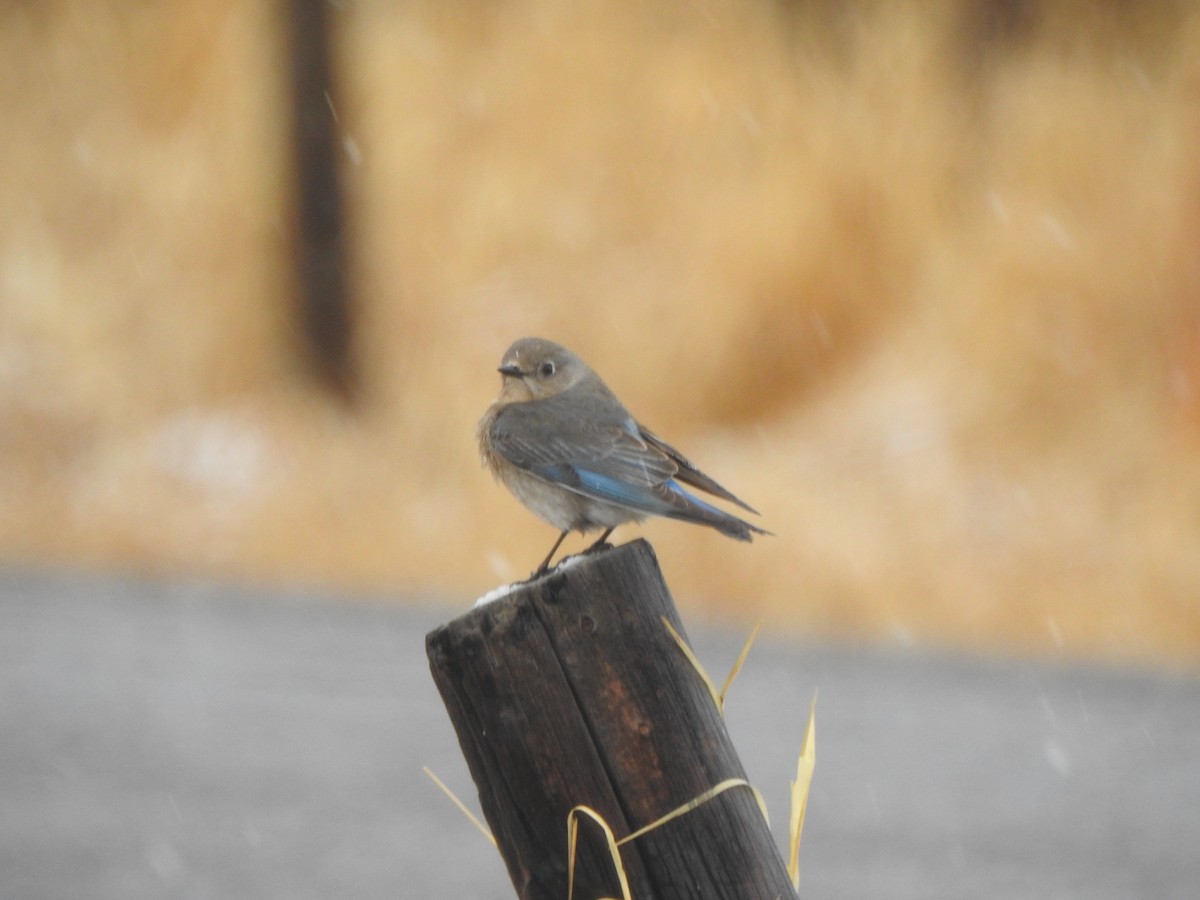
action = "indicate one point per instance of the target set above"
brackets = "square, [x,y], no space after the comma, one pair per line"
[561,441]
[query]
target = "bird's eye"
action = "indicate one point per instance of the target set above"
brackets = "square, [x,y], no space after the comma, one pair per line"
[546,369]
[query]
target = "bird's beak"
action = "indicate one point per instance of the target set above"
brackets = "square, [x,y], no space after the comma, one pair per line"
[512,369]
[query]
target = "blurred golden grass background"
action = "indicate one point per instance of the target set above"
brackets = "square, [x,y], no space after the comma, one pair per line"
[920,281]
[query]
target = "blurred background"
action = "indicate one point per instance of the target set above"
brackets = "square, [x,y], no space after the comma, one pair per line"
[921,282]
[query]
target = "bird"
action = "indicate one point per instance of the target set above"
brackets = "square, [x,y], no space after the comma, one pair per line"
[567,448]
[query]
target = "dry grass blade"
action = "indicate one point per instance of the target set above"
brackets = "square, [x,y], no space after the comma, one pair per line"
[804,773]
[691,657]
[610,840]
[737,665]
[696,802]
[462,807]
[718,697]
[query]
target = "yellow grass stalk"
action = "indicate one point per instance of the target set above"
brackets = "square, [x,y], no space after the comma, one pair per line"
[461,806]
[610,840]
[804,773]
[697,802]
[717,696]
[614,845]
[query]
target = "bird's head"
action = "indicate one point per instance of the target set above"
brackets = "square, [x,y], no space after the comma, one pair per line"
[534,369]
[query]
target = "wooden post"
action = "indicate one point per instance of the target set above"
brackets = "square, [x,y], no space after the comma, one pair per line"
[570,690]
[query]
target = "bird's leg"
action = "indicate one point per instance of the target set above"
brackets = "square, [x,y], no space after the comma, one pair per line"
[545,566]
[601,543]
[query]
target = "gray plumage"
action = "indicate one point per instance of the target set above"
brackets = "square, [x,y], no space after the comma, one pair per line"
[561,441]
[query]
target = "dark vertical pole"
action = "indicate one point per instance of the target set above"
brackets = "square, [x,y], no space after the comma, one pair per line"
[320,251]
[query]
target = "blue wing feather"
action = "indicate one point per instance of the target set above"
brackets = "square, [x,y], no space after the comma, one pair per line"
[639,497]
[606,456]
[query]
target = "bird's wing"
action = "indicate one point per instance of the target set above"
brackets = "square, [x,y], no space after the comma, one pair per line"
[688,473]
[601,453]
[600,456]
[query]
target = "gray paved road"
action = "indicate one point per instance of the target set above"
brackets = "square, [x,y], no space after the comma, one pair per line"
[166,740]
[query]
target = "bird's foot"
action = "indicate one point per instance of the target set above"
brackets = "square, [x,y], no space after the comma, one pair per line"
[538,572]
[600,544]
[545,566]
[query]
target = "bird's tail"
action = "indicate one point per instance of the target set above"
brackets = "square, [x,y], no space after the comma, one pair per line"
[690,508]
